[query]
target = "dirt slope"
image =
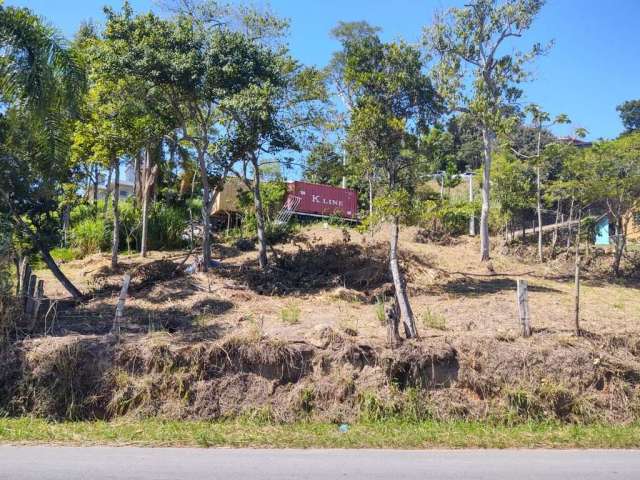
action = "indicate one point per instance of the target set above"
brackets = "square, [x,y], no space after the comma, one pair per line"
[305,340]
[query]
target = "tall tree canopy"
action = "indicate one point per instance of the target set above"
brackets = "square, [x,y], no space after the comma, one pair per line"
[478,73]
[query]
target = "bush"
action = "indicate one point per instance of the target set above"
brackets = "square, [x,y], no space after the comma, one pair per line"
[85,211]
[446,219]
[130,225]
[89,236]
[166,225]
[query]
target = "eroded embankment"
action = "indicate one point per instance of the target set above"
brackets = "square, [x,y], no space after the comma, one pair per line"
[333,378]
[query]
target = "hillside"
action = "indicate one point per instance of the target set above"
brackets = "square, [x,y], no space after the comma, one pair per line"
[306,340]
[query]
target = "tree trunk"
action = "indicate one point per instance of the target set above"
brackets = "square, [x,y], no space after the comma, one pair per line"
[260,222]
[406,314]
[115,242]
[554,239]
[107,192]
[147,178]
[487,145]
[66,224]
[206,212]
[370,195]
[96,179]
[577,281]
[136,176]
[569,226]
[539,212]
[621,240]
[61,277]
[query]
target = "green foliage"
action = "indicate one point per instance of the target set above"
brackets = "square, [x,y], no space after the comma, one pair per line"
[630,115]
[62,254]
[513,186]
[83,211]
[166,225]
[89,236]
[324,165]
[290,314]
[471,41]
[380,311]
[445,217]
[433,320]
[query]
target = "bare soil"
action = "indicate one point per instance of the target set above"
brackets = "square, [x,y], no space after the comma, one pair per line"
[304,339]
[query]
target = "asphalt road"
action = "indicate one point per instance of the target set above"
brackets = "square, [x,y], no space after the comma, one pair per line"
[102,463]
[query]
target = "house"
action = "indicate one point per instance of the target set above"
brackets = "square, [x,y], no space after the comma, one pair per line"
[606,230]
[576,142]
[227,200]
[126,190]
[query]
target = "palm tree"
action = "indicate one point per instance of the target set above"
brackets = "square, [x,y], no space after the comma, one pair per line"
[41,83]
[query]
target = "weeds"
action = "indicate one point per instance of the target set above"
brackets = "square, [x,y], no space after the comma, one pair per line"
[380,313]
[433,320]
[306,399]
[252,431]
[290,314]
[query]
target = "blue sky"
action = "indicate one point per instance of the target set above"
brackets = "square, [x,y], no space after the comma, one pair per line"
[594,65]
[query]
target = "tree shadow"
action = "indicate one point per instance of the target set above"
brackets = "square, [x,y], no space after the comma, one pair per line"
[98,319]
[477,287]
[314,268]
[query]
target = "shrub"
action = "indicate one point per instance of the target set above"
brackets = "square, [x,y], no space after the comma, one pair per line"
[85,211]
[89,236]
[166,225]
[130,225]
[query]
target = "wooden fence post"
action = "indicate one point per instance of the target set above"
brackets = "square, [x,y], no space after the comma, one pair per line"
[120,306]
[523,307]
[37,302]
[25,274]
[31,289]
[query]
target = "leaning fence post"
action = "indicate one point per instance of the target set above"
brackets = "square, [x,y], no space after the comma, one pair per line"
[523,307]
[120,306]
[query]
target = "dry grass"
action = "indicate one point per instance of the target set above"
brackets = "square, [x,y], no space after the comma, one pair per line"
[222,344]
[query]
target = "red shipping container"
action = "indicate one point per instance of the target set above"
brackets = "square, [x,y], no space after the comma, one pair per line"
[323,200]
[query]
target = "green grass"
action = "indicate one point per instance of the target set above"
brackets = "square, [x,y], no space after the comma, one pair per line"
[246,433]
[434,320]
[290,314]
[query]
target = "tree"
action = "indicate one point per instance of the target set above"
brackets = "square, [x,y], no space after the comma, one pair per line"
[324,165]
[541,122]
[196,60]
[575,183]
[41,81]
[613,170]
[630,115]
[346,91]
[394,103]
[268,118]
[473,37]
[513,187]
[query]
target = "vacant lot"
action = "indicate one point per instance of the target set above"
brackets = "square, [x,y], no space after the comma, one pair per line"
[305,340]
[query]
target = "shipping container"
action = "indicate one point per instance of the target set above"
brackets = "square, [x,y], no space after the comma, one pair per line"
[322,200]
